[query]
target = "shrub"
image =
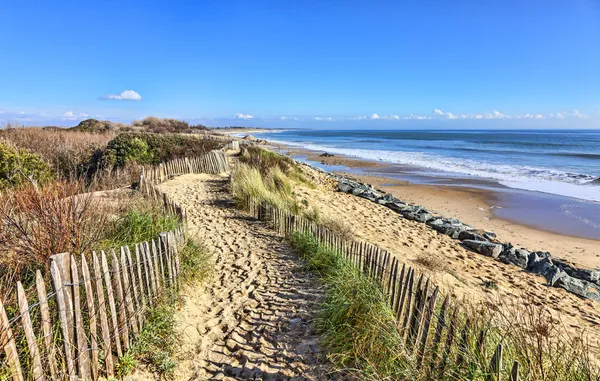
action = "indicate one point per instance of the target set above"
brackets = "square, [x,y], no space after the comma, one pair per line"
[38,223]
[165,125]
[18,166]
[148,148]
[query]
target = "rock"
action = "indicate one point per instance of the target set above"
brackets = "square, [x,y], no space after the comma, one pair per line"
[536,257]
[585,274]
[435,222]
[452,231]
[490,236]
[371,195]
[484,247]
[344,187]
[387,199]
[548,270]
[326,154]
[424,216]
[519,257]
[471,236]
[579,287]
[250,138]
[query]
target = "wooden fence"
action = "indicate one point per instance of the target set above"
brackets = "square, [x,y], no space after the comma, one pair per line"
[438,334]
[213,162]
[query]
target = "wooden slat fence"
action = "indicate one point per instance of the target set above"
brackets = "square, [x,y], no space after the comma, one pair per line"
[93,315]
[213,162]
[437,331]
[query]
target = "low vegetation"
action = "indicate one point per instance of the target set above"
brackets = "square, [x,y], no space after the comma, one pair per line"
[265,176]
[362,337]
[18,166]
[148,148]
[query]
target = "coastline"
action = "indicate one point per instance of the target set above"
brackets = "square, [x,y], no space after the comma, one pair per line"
[474,205]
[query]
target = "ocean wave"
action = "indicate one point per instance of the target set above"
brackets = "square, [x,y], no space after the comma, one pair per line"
[538,179]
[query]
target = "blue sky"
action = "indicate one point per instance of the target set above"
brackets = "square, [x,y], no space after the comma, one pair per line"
[303,63]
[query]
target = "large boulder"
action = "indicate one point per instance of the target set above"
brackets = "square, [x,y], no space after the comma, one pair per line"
[371,195]
[585,274]
[579,287]
[387,199]
[512,255]
[471,235]
[422,216]
[535,257]
[484,247]
[548,270]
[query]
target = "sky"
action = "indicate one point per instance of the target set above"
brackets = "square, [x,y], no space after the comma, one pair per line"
[315,64]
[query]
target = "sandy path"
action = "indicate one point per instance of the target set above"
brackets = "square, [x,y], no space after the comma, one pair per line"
[254,318]
[459,271]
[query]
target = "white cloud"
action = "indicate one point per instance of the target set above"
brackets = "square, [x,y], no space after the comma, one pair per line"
[22,113]
[374,116]
[127,95]
[283,118]
[417,117]
[239,115]
[69,115]
[578,114]
[447,115]
[83,115]
[328,119]
[395,117]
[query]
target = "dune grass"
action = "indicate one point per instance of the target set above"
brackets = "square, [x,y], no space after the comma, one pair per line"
[362,339]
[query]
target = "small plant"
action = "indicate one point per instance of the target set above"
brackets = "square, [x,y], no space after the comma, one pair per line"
[490,284]
[431,262]
[339,227]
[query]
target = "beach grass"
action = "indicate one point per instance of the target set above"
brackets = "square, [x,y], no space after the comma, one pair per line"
[362,338]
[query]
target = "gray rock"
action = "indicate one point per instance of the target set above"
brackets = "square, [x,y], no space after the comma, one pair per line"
[548,270]
[343,187]
[536,257]
[484,247]
[452,231]
[371,195]
[435,222]
[420,217]
[585,274]
[357,191]
[387,199]
[471,235]
[579,287]
[512,255]
[490,236]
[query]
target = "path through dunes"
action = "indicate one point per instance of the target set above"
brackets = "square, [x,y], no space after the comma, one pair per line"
[254,318]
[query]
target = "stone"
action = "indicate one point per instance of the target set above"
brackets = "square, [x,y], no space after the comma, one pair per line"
[512,255]
[387,199]
[579,287]
[420,217]
[484,247]
[371,195]
[452,231]
[326,154]
[435,222]
[548,270]
[343,187]
[535,257]
[585,274]
[473,236]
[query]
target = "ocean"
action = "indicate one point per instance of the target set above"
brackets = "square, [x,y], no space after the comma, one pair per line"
[546,163]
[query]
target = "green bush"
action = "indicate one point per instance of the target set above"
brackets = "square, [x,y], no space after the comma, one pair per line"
[149,148]
[19,165]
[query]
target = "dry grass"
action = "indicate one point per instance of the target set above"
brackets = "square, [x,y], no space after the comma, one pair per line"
[69,153]
[339,227]
[431,262]
[37,223]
